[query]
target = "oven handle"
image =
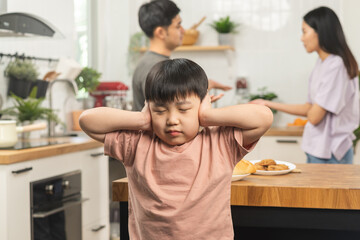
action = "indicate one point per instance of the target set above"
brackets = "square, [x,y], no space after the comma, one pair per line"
[56,210]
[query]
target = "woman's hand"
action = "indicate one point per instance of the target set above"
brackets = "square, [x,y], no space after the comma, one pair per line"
[147,118]
[260,102]
[204,107]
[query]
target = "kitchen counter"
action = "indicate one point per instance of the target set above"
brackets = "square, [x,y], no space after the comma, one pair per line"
[322,197]
[66,145]
[285,131]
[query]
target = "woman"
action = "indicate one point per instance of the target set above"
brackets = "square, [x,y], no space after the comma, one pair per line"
[332,108]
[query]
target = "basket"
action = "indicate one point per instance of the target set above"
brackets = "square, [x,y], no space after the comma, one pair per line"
[190,37]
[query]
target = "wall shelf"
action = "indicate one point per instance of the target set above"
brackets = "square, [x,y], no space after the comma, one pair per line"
[198,48]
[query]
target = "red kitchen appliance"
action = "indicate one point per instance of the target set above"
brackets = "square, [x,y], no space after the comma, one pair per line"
[108,89]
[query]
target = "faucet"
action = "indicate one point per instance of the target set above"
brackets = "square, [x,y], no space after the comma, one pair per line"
[51,124]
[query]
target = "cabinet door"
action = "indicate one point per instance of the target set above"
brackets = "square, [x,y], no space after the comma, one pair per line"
[97,230]
[16,200]
[283,148]
[95,177]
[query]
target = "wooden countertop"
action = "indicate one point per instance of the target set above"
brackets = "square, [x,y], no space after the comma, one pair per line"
[329,186]
[285,131]
[72,144]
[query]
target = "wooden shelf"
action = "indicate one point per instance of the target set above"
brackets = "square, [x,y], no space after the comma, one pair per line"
[198,48]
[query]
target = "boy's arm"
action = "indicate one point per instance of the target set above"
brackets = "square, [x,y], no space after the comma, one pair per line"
[96,122]
[253,119]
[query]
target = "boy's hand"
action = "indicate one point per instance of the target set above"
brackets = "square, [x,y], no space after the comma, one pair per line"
[147,118]
[204,106]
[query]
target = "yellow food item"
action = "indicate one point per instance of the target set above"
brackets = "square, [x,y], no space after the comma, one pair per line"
[244,167]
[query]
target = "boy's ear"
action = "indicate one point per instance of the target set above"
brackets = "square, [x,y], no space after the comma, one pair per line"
[160,32]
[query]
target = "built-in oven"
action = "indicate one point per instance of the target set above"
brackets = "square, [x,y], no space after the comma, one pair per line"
[56,207]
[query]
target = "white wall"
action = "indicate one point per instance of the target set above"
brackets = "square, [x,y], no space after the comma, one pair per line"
[268,47]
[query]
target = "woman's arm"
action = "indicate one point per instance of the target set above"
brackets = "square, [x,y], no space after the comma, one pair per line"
[255,120]
[294,109]
[96,122]
[313,112]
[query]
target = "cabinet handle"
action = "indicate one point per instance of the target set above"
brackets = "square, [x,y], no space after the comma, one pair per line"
[96,229]
[96,154]
[286,141]
[22,170]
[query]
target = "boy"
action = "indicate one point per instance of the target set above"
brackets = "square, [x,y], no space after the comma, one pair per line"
[179,177]
[161,22]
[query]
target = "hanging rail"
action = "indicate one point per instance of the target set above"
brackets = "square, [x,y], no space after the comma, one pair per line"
[23,57]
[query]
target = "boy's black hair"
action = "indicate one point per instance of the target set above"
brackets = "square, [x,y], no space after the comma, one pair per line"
[157,13]
[175,79]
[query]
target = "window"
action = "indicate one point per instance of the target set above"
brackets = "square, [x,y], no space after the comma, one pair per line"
[82,22]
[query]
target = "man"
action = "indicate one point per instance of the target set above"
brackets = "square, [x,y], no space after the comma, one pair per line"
[161,22]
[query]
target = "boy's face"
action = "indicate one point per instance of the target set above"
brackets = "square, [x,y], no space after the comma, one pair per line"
[175,33]
[176,122]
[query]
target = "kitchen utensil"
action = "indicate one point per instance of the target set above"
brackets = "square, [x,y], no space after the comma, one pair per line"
[49,76]
[9,130]
[191,35]
[197,24]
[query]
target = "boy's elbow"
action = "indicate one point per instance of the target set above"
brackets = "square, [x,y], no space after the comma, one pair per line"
[267,118]
[83,119]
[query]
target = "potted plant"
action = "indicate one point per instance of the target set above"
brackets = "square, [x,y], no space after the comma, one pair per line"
[87,81]
[21,74]
[264,94]
[225,28]
[29,110]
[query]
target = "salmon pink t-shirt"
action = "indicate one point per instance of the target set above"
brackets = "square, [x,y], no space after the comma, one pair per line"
[179,192]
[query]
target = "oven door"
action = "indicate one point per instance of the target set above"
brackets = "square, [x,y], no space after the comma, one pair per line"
[60,223]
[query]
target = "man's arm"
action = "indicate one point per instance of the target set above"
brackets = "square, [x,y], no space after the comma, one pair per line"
[96,122]
[255,120]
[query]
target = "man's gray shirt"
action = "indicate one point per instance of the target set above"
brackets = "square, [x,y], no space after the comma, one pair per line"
[139,78]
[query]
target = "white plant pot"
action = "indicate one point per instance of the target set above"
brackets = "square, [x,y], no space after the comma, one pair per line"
[226,39]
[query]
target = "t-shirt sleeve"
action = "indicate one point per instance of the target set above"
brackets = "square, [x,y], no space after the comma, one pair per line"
[234,138]
[332,90]
[121,145]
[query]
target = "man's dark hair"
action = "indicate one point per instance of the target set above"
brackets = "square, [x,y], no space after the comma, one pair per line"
[157,13]
[175,79]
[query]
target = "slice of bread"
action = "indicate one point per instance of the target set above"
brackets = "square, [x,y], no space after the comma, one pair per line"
[244,167]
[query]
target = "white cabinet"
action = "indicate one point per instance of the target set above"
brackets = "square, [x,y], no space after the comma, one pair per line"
[15,191]
[96,230]
[283,148]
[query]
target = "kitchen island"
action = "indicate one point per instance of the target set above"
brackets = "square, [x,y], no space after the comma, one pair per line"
[321,202]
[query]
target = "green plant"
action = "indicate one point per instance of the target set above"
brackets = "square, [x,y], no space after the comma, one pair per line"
[30,109]
[22,70]
[88,79]
[264,94]
[224,25]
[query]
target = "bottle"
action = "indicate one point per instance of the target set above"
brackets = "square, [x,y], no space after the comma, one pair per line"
[241,91]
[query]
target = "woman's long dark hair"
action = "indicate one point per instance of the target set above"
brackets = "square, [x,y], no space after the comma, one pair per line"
[331,36]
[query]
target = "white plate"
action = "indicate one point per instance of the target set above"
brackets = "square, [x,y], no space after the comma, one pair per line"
[238,177]
[264,172]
